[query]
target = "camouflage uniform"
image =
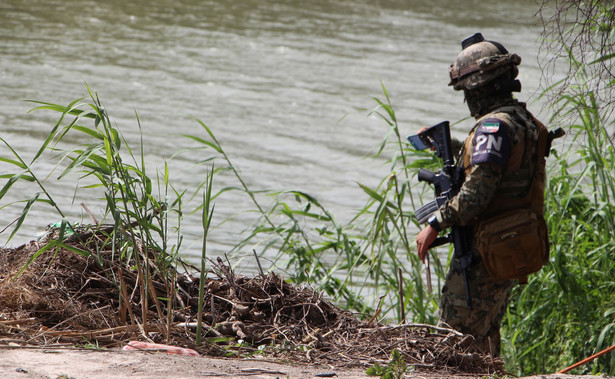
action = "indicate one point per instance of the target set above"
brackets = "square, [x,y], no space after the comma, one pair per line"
[503,171]
[498,157]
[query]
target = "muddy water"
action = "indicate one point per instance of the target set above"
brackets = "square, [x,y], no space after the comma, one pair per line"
[282,84]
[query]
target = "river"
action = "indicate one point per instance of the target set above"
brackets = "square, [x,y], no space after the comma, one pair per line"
[282,84]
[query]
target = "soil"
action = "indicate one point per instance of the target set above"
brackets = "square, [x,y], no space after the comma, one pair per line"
[78,364]
[67,310]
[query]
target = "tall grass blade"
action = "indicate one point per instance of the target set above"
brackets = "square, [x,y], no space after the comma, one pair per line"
[206,222]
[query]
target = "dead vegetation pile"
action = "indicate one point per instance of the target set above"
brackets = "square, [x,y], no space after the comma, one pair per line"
[65,299]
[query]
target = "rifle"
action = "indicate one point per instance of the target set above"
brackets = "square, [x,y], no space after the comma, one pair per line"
[447,183]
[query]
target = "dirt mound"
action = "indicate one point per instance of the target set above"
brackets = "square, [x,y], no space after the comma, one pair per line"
[73,294]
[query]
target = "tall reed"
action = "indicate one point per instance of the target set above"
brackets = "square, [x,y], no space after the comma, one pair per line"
[208,211]
[567,311]
[137,223]
[358,264]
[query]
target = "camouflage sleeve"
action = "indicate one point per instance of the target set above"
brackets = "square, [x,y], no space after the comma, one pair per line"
[473,198]
[489,147]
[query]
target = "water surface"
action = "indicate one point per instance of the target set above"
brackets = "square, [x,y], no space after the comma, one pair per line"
[282,84]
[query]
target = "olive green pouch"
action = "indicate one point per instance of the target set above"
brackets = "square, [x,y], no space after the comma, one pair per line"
[513,244]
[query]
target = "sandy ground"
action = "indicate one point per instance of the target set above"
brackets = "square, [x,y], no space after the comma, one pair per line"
[135,364]
[90,364]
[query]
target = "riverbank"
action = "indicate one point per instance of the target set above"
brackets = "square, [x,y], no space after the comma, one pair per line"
[54,302]
[91,364]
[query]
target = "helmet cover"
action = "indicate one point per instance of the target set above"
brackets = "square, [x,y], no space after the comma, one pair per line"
[482,62]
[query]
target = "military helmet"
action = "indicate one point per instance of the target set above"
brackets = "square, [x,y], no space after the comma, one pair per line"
[482,63]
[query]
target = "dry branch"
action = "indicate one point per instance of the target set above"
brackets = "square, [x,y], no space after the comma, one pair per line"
[79,299]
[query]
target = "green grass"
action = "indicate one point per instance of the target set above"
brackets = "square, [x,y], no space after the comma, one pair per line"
[358,264]
[136,222]
[567,311]
[369,264]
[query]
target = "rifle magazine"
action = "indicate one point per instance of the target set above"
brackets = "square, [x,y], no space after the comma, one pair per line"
[423,213]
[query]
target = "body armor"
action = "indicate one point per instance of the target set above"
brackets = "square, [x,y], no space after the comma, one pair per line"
[523,178]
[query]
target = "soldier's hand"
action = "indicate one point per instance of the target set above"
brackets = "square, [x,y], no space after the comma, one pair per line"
[424,239]
[432,148]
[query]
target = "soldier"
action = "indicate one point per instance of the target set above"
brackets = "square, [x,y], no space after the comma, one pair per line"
[503,160]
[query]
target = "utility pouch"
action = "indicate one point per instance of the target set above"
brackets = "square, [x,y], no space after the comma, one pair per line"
[513,244]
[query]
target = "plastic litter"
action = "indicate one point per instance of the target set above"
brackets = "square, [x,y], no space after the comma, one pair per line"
[147,346]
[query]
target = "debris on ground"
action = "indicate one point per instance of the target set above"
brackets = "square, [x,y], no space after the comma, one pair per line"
[148,346]
[64,297]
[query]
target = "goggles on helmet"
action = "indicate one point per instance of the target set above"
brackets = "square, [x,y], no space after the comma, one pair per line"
[483,64]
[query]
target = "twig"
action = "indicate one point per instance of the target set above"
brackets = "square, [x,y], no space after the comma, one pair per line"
[94,221]
[233,303]
[378,310]
[193,325]
[20,321]
[258,371]
[154,295]
[61,346]
[428,275]
[258,262]
[6,227]
[438,328]
[90,333]
[123,309]
[51,331]
[401,296]
[213,310]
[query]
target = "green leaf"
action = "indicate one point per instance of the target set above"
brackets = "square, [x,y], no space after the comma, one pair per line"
[74,249]
[12,180]
[24,213]
[83,157]
[115,137]
[89,131]
[14,162]
[166,173]
[218,339]
[69,109]
[39,252]
[373,194]
[205,142]
[603,58]
[25,177]
[108,152]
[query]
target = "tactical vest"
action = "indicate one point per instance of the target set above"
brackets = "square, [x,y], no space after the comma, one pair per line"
[523,179]
[511,235]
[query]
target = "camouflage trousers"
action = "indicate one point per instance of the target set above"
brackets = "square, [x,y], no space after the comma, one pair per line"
[490,298]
